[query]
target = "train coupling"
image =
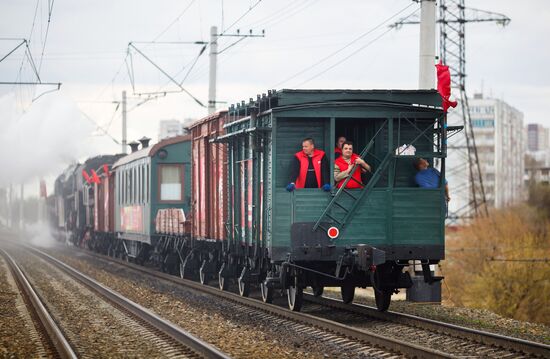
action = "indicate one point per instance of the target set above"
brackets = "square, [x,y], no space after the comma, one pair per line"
[367,257]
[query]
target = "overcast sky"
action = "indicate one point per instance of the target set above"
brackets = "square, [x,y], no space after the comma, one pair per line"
[87,43]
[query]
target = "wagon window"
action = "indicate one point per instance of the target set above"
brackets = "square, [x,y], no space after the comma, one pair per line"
[171,182]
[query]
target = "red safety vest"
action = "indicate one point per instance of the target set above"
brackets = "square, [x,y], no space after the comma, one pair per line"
[338,150]
[343,165]
[304,164]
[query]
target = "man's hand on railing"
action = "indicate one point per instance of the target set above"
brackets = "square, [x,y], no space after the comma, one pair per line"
[361,162]
[291,187]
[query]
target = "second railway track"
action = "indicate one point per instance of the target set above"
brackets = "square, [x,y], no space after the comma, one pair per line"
[45,337]
[108,325]
[408,335]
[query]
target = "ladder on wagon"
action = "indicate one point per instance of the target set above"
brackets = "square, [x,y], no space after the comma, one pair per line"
[442,131]
[356,196]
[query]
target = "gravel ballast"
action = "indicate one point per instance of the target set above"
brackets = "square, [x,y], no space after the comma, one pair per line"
[93,326]
[472,318]
[19,337]
[216,321]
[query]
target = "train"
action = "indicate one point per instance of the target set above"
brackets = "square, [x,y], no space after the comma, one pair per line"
[214,206]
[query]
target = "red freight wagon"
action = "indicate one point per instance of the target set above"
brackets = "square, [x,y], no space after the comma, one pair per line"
[209,195]
[104,220]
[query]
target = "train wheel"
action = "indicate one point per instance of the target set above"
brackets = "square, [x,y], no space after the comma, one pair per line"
[348,292]
[222,281]
[244,284]
[383,299]
[204,277]
[295,294]
[318,291]
[267,292]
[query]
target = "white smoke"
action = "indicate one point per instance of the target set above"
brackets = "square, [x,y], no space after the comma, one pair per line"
[40,235]
[41,141]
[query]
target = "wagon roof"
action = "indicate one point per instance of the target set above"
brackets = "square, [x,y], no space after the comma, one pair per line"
[287,97]
[151,150]
[210,117]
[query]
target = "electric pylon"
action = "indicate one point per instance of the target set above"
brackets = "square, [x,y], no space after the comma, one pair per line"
[453,16]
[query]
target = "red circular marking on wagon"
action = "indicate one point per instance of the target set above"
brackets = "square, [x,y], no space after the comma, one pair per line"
[333,232]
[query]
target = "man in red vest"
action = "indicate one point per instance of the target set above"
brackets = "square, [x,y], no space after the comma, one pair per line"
[310,168]
[344,164]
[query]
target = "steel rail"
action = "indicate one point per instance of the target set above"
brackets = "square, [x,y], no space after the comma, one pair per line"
[175,332]
[487,338]
[390,344]
[61,344]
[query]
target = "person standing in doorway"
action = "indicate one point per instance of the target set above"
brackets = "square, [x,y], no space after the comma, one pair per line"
[344,164]
[338,149]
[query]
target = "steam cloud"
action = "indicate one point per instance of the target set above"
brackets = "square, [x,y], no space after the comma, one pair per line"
[41,141]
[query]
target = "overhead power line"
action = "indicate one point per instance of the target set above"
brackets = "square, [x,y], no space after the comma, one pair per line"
[171,78]
[174,21]
[241,17]
[50,10]
[336,52]
[345,58]
[28,56]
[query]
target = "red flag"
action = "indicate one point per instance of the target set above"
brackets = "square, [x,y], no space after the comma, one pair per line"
[444,85]
[95,177]
[106,170]
[86,177]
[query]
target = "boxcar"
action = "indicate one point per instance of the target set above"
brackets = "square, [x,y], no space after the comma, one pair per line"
[103,206]
[209,178]
[148,181]
[209,199]
[280,238]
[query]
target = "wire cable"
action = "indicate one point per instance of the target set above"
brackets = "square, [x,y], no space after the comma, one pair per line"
[241,17]
[174,21]
[282,11]
[50,9]
[344,47]
[345,58]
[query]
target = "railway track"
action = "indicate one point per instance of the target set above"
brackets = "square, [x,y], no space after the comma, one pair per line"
[394,332]
[484,338]
[160,337]
[55,340]
[457,340]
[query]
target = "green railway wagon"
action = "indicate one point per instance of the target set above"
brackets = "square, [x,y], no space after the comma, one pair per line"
[280,239]
[152,185]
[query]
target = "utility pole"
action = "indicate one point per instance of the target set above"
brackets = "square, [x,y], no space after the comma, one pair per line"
[426,73]
[468,184]
[213,69]
[124,135]
[21,210]
[426,81]
[214,58]
[10,209]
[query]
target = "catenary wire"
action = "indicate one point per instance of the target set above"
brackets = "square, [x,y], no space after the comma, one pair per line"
[334,53]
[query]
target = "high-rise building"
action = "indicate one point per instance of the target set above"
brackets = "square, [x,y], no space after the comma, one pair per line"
[170,128]
[538,145]
[499,136]
[537,137]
